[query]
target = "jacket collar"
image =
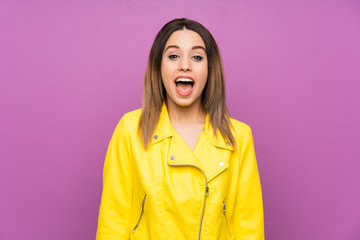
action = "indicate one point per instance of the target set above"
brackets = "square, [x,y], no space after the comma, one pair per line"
[164,130]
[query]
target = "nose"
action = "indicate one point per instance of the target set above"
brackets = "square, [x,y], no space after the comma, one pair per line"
[185,65]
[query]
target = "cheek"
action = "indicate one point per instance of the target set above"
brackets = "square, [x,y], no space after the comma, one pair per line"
[165,75]
[204,73]
[162,67]
[165,70]
[204,77]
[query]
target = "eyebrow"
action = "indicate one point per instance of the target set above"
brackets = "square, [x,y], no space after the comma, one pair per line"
[194,47]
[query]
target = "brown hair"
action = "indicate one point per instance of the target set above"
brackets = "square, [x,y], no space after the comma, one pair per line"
[213,96]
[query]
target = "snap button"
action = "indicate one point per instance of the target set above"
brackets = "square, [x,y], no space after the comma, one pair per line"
[228,143]
[172,157]
[221,164]
[156,136]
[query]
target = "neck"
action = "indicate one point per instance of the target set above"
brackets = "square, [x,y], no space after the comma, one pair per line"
[193,114]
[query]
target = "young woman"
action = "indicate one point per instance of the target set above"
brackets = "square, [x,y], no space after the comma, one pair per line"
[180,167]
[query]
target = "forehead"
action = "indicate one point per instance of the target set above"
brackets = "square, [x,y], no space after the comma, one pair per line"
[185,39]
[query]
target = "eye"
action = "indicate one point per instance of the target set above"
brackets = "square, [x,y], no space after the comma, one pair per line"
[198,58]
[173,56]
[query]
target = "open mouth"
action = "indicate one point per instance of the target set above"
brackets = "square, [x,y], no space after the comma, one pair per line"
[184,86]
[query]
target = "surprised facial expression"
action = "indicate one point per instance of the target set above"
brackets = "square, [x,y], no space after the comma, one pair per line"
[184,68]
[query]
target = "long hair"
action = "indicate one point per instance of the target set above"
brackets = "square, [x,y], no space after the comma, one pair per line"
[213,96]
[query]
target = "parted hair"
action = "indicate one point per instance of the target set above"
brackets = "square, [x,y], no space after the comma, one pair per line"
[213,97]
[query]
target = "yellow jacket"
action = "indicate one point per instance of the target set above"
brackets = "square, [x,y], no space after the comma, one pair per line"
[170,192]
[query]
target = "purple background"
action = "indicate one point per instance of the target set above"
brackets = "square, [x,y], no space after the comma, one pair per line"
[70,69]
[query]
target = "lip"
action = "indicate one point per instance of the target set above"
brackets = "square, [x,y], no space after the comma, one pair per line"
[183,93]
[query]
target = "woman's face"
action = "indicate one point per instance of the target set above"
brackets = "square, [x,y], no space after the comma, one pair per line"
[184,67]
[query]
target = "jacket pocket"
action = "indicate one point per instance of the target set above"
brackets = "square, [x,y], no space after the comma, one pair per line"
[141,214]
[226,220]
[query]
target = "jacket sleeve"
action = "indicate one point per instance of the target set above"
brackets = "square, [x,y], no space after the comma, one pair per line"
[249,216]
[115,208]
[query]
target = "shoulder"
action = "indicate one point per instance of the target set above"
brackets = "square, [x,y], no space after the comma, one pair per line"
[240,130]
[129,121]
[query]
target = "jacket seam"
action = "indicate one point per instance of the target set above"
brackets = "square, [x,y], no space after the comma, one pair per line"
[244,145]
[131,171]
[161,205]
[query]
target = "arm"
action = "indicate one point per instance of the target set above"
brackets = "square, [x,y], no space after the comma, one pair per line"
[249,217]
[115,208]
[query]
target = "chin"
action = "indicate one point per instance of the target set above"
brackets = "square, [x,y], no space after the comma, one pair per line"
[184,102]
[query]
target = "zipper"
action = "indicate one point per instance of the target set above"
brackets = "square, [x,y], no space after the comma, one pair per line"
[206,193]
[141,214]
[224,211]
[202,215]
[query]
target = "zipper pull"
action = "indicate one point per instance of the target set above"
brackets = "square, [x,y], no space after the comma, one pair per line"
[134,229]
[207,191]
[224,209]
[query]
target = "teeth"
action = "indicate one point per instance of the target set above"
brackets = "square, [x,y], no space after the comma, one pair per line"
[184,80]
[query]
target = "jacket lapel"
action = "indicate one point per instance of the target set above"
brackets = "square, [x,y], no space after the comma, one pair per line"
[163,128]
[215,152]
[181,155]
[211,156]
